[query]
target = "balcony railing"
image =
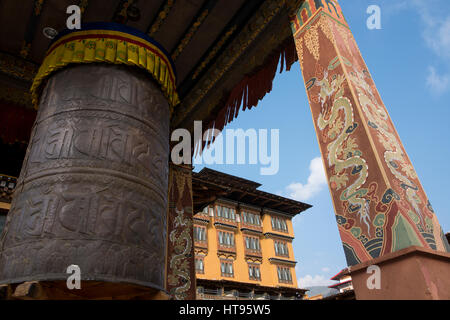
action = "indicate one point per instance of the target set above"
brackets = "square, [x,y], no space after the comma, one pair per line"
[200,271]
[219,294]
[253,253]
[227,274]
[285,281]
[252,227]
[224,248]
[201,244]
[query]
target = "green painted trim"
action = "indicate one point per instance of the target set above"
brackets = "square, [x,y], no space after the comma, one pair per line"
[403,234]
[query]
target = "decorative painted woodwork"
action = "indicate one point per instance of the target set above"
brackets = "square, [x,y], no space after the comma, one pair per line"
[162,15]
[31,28]
[379,202]
[180,265]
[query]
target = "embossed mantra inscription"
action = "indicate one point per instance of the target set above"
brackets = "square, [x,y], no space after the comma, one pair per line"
[93,188]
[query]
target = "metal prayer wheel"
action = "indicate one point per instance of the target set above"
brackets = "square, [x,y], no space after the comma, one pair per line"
[93,187]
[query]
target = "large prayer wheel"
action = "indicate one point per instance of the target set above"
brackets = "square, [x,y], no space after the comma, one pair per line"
[93,188]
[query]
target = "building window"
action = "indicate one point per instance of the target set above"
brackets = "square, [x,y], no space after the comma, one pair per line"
[208,211]
[199,265]
[252,244]
[199,234]
[279,224]
[281,248]
[226,239]
[284,275]
[254,272]
[226,213]
[251,218]
[226,268]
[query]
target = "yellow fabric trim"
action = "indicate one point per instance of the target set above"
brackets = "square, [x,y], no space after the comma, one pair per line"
[104,49]
[5,205]
[107,33]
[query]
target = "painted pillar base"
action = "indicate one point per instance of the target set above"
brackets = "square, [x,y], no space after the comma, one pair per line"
[413,273]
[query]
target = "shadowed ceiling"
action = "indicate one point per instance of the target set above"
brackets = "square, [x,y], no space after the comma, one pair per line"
[214,44]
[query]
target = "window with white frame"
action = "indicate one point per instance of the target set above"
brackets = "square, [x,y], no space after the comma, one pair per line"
[284,274]
[251,218]
[199,265]
[226,239]
[252,243]
[226,213]
[254,272]
[279,224]
[199,234]
[281,248]
[226,268]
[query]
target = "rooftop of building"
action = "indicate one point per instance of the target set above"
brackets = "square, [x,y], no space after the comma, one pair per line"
[210,185]
[323,291]
[344,272]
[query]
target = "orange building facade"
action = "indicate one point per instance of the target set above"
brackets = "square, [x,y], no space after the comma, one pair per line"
[243,245]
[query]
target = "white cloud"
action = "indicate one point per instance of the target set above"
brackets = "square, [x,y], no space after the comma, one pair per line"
[311,281]
[436,34]
[437,83]
[316,182]
[393,7]
[440,42]
[435,22]
[325,269]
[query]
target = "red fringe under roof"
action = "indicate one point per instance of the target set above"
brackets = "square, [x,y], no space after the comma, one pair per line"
[16,122]
[251,89]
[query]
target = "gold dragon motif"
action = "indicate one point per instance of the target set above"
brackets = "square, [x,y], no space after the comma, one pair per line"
[394,156]
[343,150]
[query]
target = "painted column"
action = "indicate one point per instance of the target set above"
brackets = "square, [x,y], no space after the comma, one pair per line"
[379,202]
[93,188]
[180,263]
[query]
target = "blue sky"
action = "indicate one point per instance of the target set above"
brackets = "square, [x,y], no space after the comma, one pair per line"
[409,59]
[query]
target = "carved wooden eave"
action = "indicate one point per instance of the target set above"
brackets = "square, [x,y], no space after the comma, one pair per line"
[264,34]
[242,192]
[201,219]
[252,232]
[283,261]
[225,226]
[273,235]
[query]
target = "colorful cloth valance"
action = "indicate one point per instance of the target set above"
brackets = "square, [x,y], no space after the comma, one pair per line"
[109,43]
